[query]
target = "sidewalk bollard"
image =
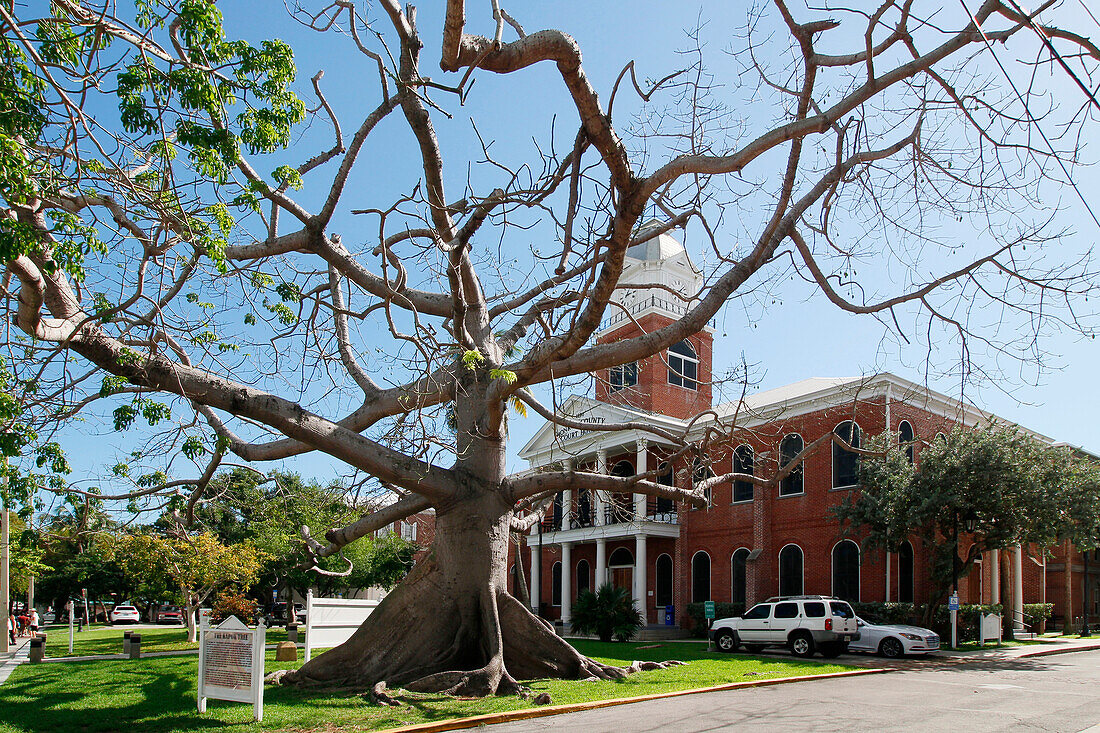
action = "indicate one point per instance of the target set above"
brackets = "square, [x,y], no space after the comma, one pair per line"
[80,624]
[292,633]
[135,646]
[38,650]
[126,635]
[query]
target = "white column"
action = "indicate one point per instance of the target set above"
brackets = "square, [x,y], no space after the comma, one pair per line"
[889,555]
[601,468]
[601,563]
[1018,590]
[640,583]
[640,499]
[995,576]
[536,584]
[566,584]
[567,499]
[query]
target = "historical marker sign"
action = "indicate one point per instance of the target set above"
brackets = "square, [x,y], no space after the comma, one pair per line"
[231,664]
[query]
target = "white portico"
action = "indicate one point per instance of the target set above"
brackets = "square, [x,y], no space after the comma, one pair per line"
[586,518]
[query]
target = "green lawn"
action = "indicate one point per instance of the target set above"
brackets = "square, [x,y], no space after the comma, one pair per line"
[158,694]
[100,639]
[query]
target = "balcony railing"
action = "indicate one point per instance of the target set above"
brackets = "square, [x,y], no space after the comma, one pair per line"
[657,510]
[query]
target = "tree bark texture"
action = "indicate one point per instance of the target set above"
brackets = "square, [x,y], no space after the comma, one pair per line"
[452,626]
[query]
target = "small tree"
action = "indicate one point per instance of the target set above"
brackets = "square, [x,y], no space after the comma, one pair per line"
[197,565]
[1019,491]
[609,612]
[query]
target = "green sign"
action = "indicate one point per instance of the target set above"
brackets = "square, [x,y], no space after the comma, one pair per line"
[709,606]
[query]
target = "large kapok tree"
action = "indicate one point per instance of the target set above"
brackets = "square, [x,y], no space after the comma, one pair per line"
[387,304]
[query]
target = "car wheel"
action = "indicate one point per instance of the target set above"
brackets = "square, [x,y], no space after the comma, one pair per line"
[726,641]
[802,645]
[891,647]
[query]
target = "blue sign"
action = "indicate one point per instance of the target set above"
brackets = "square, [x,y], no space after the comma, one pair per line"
[670,615]
[953,603]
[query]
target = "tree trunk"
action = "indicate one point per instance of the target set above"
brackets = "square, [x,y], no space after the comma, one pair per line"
[190,608]
[452,626]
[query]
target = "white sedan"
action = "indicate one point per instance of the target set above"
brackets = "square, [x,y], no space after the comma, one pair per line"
[894,640]
[125,615]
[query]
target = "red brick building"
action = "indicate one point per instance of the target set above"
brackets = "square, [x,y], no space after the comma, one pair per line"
[750,542]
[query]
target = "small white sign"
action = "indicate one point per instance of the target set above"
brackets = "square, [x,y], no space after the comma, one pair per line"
[231,663]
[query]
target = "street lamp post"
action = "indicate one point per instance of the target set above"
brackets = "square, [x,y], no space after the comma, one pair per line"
[970,522]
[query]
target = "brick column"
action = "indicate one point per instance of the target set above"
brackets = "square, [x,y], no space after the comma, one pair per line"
[536,585]
[566,584]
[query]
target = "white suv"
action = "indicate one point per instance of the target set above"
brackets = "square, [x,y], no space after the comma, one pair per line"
[804,624]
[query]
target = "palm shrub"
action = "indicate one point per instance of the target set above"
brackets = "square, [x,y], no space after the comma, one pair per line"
[608,613]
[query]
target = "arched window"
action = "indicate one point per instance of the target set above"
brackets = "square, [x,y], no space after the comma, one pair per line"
[790,571]
[555,579]
[845,462]
[584,509]
[846,570]
[622,376]
[905,572]
[621,506]
[666,507]
[738,575]
[905,439]
[700,577]
[620,557]
[742,463]
[701,472]
[683,365]
[583,572]
[664,581]
[791,446]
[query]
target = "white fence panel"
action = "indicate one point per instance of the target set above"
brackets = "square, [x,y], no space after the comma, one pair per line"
[332,621]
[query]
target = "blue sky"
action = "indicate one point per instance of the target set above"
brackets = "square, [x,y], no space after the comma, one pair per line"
[791,335]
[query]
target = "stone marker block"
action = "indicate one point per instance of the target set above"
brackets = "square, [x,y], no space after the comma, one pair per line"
[286,651]
[135,646]
[38,650]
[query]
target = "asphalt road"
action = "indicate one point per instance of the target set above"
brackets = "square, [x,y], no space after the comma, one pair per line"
[1051,693]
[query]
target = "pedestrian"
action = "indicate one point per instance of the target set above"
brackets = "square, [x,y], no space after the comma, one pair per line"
[24,623]
[34,620]
[11,628]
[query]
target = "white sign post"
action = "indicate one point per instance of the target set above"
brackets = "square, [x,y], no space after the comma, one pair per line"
[953,606]
[231,664]
[69,608]
[332,621]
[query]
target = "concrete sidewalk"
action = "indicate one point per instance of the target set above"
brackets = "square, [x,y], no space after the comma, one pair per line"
[1046,647]
[13,658]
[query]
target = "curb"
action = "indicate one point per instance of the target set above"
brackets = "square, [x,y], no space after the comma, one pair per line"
[549,710]
[1052,652]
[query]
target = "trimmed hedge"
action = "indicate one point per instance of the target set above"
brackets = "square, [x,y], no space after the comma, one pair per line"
[698,614]
[887,613]
[1038,611]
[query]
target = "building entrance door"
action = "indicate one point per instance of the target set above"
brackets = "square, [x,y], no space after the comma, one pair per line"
[623,577]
